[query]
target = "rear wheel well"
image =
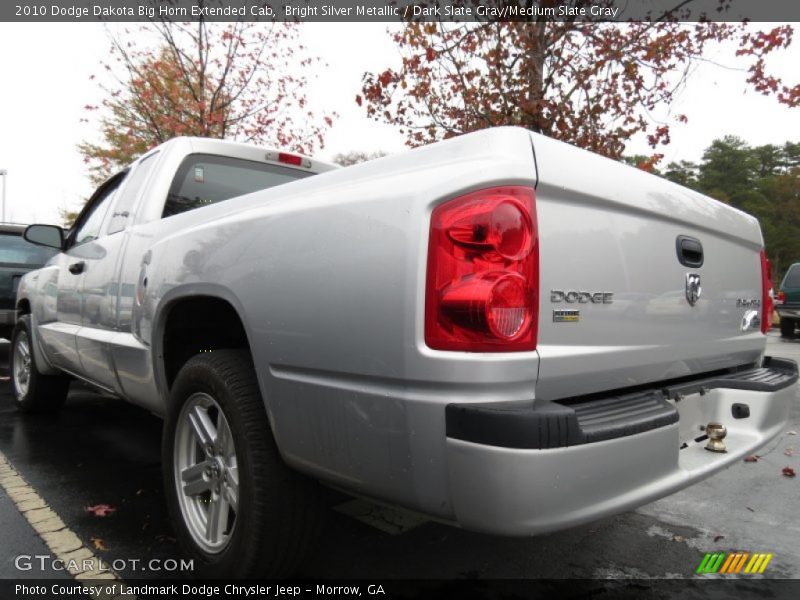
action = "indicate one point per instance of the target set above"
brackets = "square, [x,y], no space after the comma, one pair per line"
[196,325]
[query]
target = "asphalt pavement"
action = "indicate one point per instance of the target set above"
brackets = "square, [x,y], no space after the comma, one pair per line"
[100,450]
[26,542]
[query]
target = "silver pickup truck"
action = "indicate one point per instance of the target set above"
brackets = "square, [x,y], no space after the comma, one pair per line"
[499,331]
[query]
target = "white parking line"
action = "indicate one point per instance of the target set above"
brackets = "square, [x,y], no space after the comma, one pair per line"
[78,560]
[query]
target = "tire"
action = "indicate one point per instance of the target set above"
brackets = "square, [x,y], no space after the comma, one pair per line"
[787,328]
[34,391]
[268,515]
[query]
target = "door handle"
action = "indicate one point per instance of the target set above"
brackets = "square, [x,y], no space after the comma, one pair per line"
[690,251]
[77,268]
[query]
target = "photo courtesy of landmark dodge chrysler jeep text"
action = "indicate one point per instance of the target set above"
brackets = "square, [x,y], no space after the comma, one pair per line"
[499,331]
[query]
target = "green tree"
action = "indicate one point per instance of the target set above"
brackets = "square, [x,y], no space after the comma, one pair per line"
[683,172]
[770,159]
[778,210]
[729,170]
[791,155]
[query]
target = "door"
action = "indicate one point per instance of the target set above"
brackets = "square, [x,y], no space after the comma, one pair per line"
[101,294]
[59,336]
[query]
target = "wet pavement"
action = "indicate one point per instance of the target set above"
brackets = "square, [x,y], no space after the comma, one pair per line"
[26,543]
[100,450]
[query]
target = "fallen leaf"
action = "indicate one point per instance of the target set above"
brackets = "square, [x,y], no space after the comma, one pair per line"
[101,510]
[788,472]
[751,458]
[719,537]
[679,538]
[789,452]
[99,544]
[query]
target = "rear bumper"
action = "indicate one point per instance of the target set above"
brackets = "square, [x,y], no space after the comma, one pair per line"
[524,491]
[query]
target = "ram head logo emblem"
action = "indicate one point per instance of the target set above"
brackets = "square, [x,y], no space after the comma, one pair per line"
[693,289]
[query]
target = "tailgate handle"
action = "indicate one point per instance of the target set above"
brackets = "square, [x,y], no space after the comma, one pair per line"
[690,251]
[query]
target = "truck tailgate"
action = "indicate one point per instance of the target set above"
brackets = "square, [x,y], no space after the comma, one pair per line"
[614,308]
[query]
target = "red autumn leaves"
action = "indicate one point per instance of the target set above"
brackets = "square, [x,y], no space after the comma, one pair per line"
[239,81]
[101,510]
[590,84]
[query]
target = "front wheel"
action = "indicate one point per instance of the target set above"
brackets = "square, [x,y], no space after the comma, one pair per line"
[33,390]
[237,508]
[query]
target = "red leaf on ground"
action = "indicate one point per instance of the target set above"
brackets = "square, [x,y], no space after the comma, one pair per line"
[101,510]
[788,472]
[751,458]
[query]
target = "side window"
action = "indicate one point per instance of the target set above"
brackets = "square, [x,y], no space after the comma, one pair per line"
[122,209]
[90,223]
[15,250]
[89,229]
[792,279]
[204,179]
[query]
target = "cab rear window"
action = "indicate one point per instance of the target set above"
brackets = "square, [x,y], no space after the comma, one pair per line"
[204,179]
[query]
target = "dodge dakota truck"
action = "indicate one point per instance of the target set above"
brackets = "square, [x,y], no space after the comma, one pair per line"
[499,331]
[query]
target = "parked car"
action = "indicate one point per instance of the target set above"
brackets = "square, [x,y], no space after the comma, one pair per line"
[787,302]
[434,330]
[17,257]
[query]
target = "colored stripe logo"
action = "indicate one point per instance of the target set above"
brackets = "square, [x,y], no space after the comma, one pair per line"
[734,563]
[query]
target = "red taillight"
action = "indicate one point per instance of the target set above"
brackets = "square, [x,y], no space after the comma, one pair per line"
[766,297]
[290,159]
[781,298]
[483,272]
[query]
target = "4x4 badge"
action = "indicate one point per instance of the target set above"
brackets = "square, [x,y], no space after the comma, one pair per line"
[693,289]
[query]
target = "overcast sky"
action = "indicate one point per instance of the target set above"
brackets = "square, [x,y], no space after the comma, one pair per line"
[45,82]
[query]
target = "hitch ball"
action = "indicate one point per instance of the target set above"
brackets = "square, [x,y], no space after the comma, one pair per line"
[716,433]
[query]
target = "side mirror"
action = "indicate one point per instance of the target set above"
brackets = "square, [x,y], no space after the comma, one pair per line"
[51,236]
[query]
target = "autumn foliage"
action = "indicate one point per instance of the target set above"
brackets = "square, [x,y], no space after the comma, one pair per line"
[591,84]
[239,81]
